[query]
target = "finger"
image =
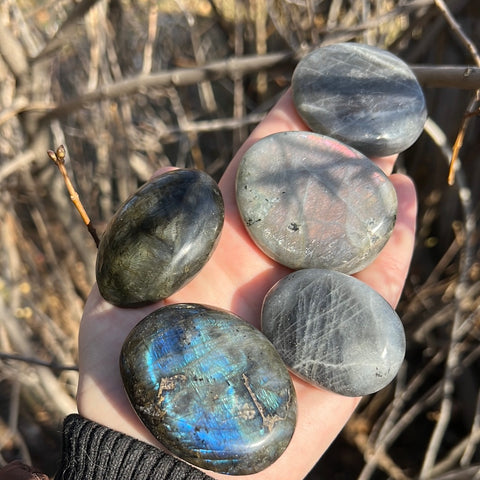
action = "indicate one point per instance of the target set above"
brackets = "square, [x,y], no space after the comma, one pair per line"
[389,270]
[386,163]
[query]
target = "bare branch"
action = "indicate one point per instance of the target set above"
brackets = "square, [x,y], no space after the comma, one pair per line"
[177,77]
[474,437]
[472,110]
[469,473]
[463,77]
[58,157]
[444,76]
[214,125]
[22,104]
[37,361]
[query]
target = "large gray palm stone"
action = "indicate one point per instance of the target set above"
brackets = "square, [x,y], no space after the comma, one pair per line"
[334,331]
[361,95]
[309,201]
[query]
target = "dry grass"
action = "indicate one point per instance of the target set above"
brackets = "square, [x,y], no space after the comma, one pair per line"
[92,80]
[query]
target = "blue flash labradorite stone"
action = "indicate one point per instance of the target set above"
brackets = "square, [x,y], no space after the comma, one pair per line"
[309,201]
[363,96]
[210,387]
[334,331]
[160,238]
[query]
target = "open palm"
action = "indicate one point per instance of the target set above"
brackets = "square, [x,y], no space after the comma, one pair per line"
[237,278]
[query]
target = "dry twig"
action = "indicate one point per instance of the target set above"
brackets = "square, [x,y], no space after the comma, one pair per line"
[472,107]
[37,361]
[58,157]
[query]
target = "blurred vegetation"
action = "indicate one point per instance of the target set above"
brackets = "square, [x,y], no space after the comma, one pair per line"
[131,85]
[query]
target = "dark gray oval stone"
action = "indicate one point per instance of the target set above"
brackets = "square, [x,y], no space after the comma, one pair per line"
[210,387]
[160,238]
[334,331]
[309,201]
[360,95]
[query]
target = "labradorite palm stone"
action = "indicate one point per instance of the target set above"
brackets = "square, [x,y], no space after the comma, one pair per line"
[334,331]
[160,238]
[309,201]
[361,95]
[210,387]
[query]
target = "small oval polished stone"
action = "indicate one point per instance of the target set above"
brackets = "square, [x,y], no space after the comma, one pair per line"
[160,238]
[334,331]
[210,387]
[308,201]
[361,95]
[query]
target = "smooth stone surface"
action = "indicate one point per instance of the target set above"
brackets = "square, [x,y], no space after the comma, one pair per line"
[160,238]
[334,331]
[210,387]
[309,201]
[364,96]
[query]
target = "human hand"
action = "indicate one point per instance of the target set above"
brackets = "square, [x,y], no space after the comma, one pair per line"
[236,278]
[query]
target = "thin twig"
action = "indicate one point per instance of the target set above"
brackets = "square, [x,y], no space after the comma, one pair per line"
[472,110]
[427,400]
[380,456]
[474,438]
[457,30]
[213,125]
[453,358]
[22,104]
[470,473]
[205,89]
[472,106]
[183,121]
[239,106]
[58,158]
[14,415]
[334,33]
[152,34]
[395,423]
[37,361]
[455,454]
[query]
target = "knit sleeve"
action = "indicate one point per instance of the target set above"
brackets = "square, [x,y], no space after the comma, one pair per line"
[91,451]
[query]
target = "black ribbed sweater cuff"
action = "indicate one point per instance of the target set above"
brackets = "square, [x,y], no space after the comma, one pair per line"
[91,451]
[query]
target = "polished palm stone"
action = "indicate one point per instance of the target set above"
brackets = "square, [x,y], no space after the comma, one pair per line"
[210,387]
[334,331]
[309,201]
[160,238]
[364,96]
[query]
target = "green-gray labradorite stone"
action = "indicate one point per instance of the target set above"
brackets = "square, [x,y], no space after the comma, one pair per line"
[309,201]
[334,331]
[210,387]
[363,96]
[160,238]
